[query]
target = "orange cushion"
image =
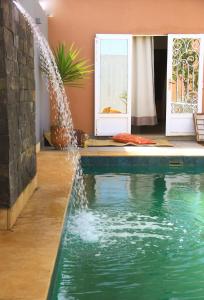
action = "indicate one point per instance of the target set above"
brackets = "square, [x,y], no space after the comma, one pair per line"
[130,138]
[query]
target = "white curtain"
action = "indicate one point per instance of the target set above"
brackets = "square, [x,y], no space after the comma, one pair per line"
[143,97]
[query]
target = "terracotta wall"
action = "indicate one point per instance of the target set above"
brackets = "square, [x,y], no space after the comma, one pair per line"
[79,20]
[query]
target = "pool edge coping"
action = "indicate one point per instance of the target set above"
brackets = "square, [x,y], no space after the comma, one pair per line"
[31,227]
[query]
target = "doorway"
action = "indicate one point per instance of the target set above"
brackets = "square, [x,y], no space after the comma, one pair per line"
[173,104]
[160,71]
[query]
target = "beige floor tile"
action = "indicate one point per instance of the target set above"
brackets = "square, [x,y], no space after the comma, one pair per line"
[28,252]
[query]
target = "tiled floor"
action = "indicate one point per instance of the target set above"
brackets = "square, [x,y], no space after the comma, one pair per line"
[180,148]
[28,251]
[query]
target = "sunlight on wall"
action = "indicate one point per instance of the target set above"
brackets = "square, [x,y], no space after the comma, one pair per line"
[47,6]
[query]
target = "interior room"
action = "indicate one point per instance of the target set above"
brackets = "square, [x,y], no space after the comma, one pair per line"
[157,88]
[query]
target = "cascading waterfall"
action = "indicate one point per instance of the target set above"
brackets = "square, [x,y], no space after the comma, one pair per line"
[56,88]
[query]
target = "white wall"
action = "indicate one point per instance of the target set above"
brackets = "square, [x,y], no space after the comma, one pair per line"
[41,94]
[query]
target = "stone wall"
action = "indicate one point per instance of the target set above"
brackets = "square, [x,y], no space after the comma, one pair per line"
[17,105]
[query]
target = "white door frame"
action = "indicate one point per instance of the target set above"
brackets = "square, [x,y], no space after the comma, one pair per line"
[103,118]
[127,117]
[179,119]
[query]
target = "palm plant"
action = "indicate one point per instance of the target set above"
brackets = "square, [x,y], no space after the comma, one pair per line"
[72,68]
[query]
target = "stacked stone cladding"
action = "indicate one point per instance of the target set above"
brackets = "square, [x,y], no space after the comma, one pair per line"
[17,104]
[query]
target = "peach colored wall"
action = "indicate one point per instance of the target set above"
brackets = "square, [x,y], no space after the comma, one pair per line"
[79,20]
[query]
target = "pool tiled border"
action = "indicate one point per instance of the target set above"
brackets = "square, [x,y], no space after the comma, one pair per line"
[139,161]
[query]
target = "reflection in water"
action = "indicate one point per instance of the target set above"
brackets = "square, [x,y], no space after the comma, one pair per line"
[113,75]
[90,186]
[142,187]
[141,238]
[158,195]
[185,190]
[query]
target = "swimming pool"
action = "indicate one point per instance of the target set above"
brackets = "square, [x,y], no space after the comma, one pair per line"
[141,238]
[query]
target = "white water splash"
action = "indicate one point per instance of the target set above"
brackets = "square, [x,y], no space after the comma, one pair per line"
[57,90]
[85,226]
[106,229]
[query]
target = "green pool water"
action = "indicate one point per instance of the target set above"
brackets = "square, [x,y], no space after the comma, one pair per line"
[141,238]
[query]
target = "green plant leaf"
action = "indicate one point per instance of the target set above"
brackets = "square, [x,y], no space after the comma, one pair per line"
[72,68]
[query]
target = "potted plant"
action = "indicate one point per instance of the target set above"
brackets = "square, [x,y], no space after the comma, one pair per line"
[73,70]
